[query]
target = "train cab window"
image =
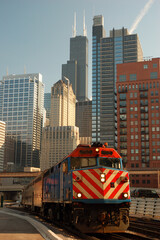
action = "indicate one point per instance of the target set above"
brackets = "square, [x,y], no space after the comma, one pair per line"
[110,162]
[88,162]
[77,163]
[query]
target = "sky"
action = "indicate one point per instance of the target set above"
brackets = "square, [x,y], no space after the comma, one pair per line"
[35,34]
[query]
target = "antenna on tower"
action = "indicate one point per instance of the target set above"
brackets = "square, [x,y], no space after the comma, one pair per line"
[84,27]
[24,69]
[7,71]
[74,28]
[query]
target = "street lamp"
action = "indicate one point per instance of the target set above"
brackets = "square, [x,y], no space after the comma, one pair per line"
[67,99]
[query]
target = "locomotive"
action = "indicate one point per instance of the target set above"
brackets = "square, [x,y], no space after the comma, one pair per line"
[89,189]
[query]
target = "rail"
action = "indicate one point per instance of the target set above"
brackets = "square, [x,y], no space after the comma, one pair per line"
[145,207]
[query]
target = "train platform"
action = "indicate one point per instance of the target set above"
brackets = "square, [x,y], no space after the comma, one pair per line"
[15,228]
[20,226]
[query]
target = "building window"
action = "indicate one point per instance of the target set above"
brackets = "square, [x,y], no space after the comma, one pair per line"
[153,75]
[145,66]
[154,65]
[133,77]
[122,78]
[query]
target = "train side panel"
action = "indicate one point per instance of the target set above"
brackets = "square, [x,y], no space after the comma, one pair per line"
[57,184]
[38,192]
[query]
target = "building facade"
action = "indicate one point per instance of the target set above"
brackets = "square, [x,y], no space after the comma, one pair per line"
[61,137]
[107,52]
[47,104]
[2,144]
[138,116]
[84,118]
[57,142]
[98,32]
[21,107]
[69,70]
[63,102]
[76,69]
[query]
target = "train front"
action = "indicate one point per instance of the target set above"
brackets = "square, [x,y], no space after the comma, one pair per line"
[101,193]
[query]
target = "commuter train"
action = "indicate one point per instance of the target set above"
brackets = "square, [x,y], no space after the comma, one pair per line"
[88,189]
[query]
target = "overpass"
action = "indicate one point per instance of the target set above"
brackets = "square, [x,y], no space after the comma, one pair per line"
[12,183]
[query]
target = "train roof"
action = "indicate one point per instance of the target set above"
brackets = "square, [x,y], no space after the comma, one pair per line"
[94,150]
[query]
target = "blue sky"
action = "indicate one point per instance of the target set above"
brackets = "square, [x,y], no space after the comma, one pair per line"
[36,33]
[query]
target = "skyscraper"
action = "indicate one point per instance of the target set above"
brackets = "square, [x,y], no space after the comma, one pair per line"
[62,136]
[69,70]
[21,107]
[97,33]
[63,102]
[76,69]
[84,118]
[79,52]
[119,47]
[57,142]
[47,104]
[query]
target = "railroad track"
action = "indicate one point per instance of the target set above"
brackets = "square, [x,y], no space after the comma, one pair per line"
[140,229]
[149,227]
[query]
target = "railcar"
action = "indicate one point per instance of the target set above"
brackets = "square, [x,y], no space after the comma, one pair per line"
[32,194]
[89,189]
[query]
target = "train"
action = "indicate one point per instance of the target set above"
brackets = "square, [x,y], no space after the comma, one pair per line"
[88,188]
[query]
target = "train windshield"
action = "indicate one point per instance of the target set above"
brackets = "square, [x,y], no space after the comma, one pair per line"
[110,162]
[82,162]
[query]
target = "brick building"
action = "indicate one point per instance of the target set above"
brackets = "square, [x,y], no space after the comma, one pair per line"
[138,117]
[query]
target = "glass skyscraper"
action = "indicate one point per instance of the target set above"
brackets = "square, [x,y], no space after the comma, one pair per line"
[118,48]
[21,107]
[97,34]
[47,104]
[107,52]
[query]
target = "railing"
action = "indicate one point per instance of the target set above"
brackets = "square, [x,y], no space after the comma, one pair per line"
[145,207]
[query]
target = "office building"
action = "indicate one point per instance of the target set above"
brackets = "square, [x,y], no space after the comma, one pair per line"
[57,142]
[98,32]
[21,107]
[84,118]
[107,52]
[63,102]
[69,70]
[138,118]
[47,104]
[2,144]
[79,52]
[61,137]
[76,69]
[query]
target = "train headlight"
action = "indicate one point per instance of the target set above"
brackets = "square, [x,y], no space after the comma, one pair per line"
[125,195]
[97,150]
[79,195]
[103,177]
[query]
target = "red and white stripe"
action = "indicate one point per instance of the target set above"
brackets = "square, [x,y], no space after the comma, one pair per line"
[90,186]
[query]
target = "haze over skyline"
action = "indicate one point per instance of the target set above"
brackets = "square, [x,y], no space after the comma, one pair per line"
[35,35]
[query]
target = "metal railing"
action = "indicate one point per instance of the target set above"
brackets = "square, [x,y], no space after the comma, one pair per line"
[145,207]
